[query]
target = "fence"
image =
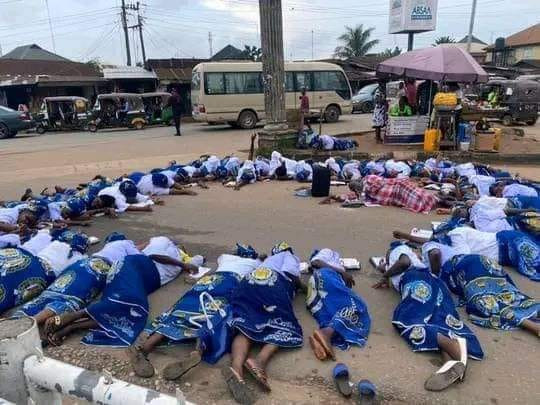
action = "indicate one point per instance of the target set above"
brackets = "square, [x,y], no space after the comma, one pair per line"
[25,374]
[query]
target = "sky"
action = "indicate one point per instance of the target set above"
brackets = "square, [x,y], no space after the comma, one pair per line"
[91,29]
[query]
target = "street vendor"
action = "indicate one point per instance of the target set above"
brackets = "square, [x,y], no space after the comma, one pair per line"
[402,108]
[493,97]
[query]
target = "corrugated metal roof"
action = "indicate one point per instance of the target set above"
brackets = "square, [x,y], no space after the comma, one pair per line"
[33,52]
[128,72]
[17,67]
[529,36]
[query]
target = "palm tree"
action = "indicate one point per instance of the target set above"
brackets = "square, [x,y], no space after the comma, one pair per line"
[390,53]
[356,42]
[444,40]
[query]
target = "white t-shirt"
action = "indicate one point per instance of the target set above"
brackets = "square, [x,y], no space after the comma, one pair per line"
[327,142]
[394,257]
[236,264]
[447,252]
[301,166]
[171,174]
[191,170]
[56,254]
[246,167]
[262,167]
[117,250]
[377,167]
[38,242]
[328,256]
[284,263]
[488,215]
[402,169]
[146,187]
[120,199]
[211,164]
[482,183]
[469,241]
[351,171]
[9,216]
[163,246]
[332,165]
[514,190]
[234,163]
[9,239]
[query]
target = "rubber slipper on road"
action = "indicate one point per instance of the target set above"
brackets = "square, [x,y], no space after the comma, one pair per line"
[342,380]
[366,392]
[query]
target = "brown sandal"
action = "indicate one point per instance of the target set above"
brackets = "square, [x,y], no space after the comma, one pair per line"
[238,387]
[177,369]
[258,374]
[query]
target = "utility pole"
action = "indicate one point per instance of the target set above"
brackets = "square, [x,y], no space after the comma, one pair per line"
[50,25]
[140,25]
[125,27]
[410,42]
[210,40]
[273,65]
[312,46]
[471,26]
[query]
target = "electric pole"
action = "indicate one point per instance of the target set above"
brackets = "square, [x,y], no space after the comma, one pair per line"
[140,24]
[312,46]
[50,25]
[125,27]
[471,26]
[273,65]
[210,39]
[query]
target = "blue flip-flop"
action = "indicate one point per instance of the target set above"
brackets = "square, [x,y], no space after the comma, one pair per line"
[366,392]
[341,379]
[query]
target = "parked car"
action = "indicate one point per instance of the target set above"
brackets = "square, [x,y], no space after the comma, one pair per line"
[12,121]
[364,99]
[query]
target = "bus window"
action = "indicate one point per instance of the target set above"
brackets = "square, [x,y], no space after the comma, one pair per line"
[243,83]
[214,83]
[332,81]
[304,79]
[289,82]
[195,81]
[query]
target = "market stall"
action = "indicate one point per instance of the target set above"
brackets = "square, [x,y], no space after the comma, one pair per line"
[443,64]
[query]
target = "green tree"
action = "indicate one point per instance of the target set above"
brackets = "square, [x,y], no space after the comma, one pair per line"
[355,42]
[444,40]
[95,64]
[390,53]
[252,52]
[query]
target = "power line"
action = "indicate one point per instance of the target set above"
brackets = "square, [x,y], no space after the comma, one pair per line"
[50,25]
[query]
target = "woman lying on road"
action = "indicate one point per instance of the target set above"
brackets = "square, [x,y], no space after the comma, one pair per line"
[160,183]
[262,312]
[341,314]
[199,316]
[509,248]
[427,318]
[26,271]
[78,285]
[120,315]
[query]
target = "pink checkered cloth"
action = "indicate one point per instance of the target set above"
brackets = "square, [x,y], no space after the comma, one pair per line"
[399,192]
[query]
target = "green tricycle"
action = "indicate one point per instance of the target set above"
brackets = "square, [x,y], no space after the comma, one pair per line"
[156,108]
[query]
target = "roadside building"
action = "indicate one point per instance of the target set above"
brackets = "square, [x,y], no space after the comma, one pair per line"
[478,48]
[515,49]
[29,73]
[131,79]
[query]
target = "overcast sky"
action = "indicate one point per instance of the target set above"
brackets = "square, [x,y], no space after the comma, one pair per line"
[87,29]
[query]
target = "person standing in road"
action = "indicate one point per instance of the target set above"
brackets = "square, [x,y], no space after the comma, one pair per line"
[175,102]
[304,110]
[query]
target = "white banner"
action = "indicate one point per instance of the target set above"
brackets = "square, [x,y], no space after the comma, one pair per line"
[412,16]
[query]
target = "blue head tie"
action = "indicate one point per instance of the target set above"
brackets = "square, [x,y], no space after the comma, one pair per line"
[79,243]
[128,188]
[281,247]
[246,251]
[221,172]
[76,206]
[396,243]
[303,175]
[247,175]
[181,172]
[160,180]
[114,236]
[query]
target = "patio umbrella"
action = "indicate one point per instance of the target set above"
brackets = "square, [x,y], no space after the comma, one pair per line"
[441,63]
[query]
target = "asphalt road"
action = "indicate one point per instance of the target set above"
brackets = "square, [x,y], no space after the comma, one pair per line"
[262,214]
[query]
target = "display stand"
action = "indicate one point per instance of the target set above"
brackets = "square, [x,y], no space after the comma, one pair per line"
[406,130]
[444,119]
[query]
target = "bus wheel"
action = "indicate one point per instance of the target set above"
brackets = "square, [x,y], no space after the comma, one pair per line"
[331,114]
[247,120]
[507,120]
[138,125]
[40,129]
[92,127]
[531,122]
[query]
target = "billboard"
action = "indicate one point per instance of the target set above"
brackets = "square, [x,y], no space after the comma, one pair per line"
[412,16]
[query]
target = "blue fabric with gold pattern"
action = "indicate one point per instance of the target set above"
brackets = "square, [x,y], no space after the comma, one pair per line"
[520,251]
[335,305]
[525,203]
[262,309]
[492,299]
[186,319]
[122,311]
[22,277]
[427,309]
[77,286]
